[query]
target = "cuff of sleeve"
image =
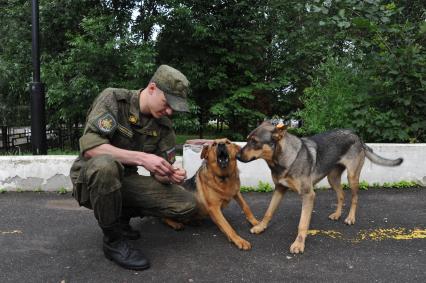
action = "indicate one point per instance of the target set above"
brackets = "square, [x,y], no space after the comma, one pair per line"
[91,140]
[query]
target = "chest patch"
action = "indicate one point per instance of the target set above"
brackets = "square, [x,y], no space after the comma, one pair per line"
[133,119]
[106,123]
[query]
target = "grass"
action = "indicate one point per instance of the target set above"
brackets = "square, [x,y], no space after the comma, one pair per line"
[363,185]
[38,190]
[62,191]
[265,187]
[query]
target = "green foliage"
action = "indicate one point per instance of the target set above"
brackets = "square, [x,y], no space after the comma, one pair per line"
[62,191]
[96,59]
[38,190]
[347,63]
[333,97]
[222,54]
[15,62]
[263,187]
[387,42]
[187,122]
[401,184]
[364,185]
[2,191]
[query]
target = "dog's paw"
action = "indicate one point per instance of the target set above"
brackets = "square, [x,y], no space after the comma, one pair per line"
[259,228]
[178,226]
[297,247]
[242,244]
[350,220]
[334,216]
[175,225]
[254,222]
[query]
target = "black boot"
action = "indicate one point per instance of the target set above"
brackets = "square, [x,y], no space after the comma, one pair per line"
[117,249]
[126,230]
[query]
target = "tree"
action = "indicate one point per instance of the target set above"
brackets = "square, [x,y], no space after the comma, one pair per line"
[15,61]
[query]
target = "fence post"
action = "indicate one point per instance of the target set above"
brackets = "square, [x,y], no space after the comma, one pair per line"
[38,116]
[5,137]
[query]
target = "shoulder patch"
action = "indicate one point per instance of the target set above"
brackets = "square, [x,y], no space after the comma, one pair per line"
[122,94]
[106,123]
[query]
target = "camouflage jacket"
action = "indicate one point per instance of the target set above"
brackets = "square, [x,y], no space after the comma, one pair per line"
[115,118]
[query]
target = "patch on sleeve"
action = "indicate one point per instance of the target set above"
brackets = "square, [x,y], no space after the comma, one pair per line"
[106,123]
[171,155]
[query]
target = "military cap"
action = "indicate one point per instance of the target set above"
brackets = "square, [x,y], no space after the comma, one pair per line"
[175,86]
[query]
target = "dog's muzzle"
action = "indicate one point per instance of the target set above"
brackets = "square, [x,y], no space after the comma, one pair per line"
[222,155]
[239,158]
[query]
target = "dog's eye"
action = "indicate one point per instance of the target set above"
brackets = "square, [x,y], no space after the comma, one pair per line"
[214,144]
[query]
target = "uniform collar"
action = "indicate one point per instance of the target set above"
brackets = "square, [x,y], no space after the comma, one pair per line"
[139,122]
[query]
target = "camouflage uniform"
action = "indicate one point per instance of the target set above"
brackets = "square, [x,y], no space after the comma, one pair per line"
[105,185]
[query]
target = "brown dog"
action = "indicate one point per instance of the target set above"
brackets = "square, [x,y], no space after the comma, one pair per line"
[300,163]
[215,184]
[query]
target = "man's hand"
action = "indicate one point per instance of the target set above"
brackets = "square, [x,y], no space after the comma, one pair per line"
[157,165]
[177,177]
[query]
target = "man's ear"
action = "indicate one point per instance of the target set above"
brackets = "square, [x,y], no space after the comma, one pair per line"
[205,152]
[279,132]
[151,87]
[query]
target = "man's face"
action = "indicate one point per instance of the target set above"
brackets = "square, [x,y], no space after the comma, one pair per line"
[158,104]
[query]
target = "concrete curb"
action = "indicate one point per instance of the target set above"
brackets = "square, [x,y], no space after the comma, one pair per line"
[51,173]
[412,169]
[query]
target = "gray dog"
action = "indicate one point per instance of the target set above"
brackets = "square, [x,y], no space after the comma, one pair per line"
[300,163]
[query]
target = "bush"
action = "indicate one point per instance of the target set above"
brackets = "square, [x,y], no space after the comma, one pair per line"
[331,100]
[343,96]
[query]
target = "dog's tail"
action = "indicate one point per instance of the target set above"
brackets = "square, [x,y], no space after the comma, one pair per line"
[381,160]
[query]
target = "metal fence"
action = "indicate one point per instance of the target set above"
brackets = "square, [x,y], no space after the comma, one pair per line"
[17,140]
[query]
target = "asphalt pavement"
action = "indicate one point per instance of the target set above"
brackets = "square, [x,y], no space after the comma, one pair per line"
[46,237]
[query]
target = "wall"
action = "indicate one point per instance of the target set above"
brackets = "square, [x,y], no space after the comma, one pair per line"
[51,173]
[412,169]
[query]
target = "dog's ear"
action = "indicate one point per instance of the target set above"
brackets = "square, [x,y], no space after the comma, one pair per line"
[237,148]
[205,152]
[279,132]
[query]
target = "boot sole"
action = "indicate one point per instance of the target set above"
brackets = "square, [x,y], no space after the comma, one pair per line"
[128,267]
[132,238]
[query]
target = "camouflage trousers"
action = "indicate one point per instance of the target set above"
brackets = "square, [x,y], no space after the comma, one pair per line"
[101,184]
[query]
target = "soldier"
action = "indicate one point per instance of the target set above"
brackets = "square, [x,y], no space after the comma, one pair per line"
[125,129]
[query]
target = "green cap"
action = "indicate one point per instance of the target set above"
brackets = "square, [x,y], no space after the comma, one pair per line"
[175,86]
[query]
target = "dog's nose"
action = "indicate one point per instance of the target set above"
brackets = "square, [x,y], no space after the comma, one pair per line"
[221,146]
[238,156]
[222,150]
[222,155]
